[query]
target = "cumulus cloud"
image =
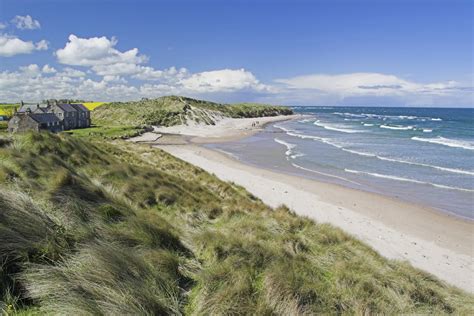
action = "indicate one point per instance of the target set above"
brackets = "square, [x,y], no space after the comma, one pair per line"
[34,83]
[25,22]
[3,26]
[222,80]
[104,59]
[47,69]
[96,51]
[11,46]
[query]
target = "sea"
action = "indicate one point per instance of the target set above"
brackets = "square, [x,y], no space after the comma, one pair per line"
[420,155]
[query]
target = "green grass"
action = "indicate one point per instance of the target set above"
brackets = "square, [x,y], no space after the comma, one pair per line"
[173,110]
[94,226]
[106,132]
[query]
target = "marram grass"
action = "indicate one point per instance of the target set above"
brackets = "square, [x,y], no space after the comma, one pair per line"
[96,227]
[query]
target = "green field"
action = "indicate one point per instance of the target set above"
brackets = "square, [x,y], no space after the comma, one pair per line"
[93,226]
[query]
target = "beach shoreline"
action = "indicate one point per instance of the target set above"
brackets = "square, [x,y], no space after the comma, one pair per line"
[430,240]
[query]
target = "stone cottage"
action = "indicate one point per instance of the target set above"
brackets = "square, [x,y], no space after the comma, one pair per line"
[29,121]
[69,116]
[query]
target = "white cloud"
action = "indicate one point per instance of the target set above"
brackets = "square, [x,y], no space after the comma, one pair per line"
[71,72]
[3,26]
[42,45]
[96,51]
[11,46]
[224,80]
[34,83]
[149,73]
[26,22]
[334,89]
[47,69]
[31,70]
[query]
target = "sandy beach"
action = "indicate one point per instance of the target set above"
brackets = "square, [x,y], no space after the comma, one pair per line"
[225,129]
[428,239]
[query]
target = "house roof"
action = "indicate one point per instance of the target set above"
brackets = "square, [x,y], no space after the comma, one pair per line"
[67,107]
[44,117]
[80,107]
[31,107]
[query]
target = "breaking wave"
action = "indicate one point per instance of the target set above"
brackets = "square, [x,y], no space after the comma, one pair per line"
[336,128]
[397,127]
[446,142]
[378,175]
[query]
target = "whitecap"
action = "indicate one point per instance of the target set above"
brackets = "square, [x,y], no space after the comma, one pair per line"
[397,127]
[336,128]
[447,142]
[288,146]
[390,177]
[452,170]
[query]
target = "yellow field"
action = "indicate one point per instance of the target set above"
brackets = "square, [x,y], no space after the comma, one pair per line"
[7,109]
[92,105]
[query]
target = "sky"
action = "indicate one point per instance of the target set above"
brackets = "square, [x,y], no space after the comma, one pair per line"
[352,52]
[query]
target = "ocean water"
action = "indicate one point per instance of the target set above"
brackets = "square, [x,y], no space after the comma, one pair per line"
[421,155]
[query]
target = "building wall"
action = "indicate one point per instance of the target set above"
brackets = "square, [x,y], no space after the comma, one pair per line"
[69,119]
[22,123]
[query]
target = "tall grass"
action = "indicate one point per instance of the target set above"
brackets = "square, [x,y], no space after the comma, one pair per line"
[116,228]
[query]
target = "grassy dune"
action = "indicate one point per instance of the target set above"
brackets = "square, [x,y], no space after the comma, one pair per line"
[173,110]
[95,227]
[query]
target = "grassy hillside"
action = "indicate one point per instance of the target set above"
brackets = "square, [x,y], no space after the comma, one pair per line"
[173,110]
[117,228]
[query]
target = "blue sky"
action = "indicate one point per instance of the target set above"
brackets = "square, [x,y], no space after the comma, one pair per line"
[290,52]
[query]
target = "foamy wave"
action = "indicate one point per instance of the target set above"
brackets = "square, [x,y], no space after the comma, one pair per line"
[355,152]
[384,176]
[452,170]
[304,136]
[320,139]
[447,142]
[289,149]
[283,128]
[368,124]
[323,173]
[427,130]
[288,146]
[297,155]
[398,127]
[349,114]
[336,128]
[385,117]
